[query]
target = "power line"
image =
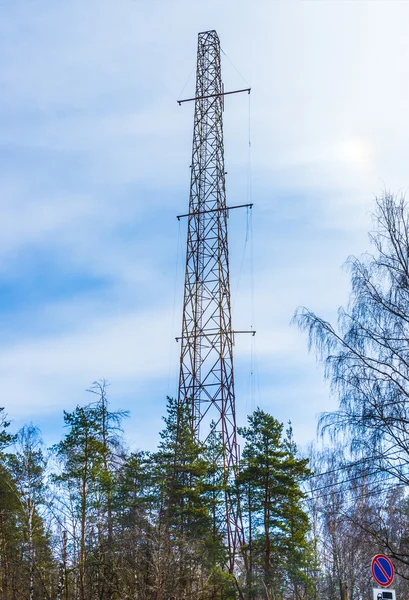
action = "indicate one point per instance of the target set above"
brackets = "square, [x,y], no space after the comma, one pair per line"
[350,465]
[363,496]
[347,481]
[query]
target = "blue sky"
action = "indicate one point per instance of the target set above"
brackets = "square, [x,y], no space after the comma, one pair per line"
[94,156]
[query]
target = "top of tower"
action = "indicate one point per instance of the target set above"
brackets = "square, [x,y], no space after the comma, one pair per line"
[212,32]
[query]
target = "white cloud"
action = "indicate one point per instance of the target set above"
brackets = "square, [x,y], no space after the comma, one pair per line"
[126,347]
[98,154]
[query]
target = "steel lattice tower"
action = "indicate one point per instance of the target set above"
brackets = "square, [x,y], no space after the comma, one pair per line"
[206,380]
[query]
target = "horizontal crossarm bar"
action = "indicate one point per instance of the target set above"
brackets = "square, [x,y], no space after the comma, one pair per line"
[248,90]
[202,212]
[253,333]
[203,334]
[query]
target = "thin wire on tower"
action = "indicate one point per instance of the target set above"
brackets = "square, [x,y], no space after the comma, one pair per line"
[169,391]
[234,67]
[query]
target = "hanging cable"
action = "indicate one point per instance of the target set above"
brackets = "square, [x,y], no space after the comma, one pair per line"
[234,67]
[171,337]
[255,366]
[383,455]
[243,256]
[370,493]
[347,481]
[187,81]
[356,478]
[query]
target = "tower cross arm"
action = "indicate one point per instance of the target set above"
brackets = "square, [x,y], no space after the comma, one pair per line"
[215,334]
[203,212]
[248,90]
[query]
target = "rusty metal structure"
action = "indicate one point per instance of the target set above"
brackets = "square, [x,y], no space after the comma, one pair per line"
[206,380]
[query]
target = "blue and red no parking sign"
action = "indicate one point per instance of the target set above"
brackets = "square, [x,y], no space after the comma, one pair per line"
[382,570]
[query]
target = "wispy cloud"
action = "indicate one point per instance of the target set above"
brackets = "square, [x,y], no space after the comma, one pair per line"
[94,167]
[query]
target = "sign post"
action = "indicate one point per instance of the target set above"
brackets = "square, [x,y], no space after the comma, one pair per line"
[383,572]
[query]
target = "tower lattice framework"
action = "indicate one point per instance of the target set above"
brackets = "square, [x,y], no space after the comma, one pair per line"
[206,380]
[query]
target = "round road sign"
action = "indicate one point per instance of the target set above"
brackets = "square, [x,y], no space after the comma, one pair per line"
[382,570]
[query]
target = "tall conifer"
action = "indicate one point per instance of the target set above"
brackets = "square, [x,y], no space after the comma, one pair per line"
[270,480]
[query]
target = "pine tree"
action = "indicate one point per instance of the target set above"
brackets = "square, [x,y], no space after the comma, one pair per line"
[221,583]
[27,466]
[10,536]
[109,433]
[135,505]
[270,482]
[184,523]
[80,454]
[5,438]
[91,455]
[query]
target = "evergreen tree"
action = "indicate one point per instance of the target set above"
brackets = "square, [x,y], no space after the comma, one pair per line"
[80,455]
[215,494]
[109,432]
[27,466]
[91,456]
[134,508]
[270,480]
[222,584]
[184,523]
[26,563]
[5,438]
[9,506]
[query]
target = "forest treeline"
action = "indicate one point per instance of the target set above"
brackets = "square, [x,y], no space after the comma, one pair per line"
[90,520]
[96,521]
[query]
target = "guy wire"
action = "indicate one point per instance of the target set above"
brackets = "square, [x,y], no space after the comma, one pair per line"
[171,340]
